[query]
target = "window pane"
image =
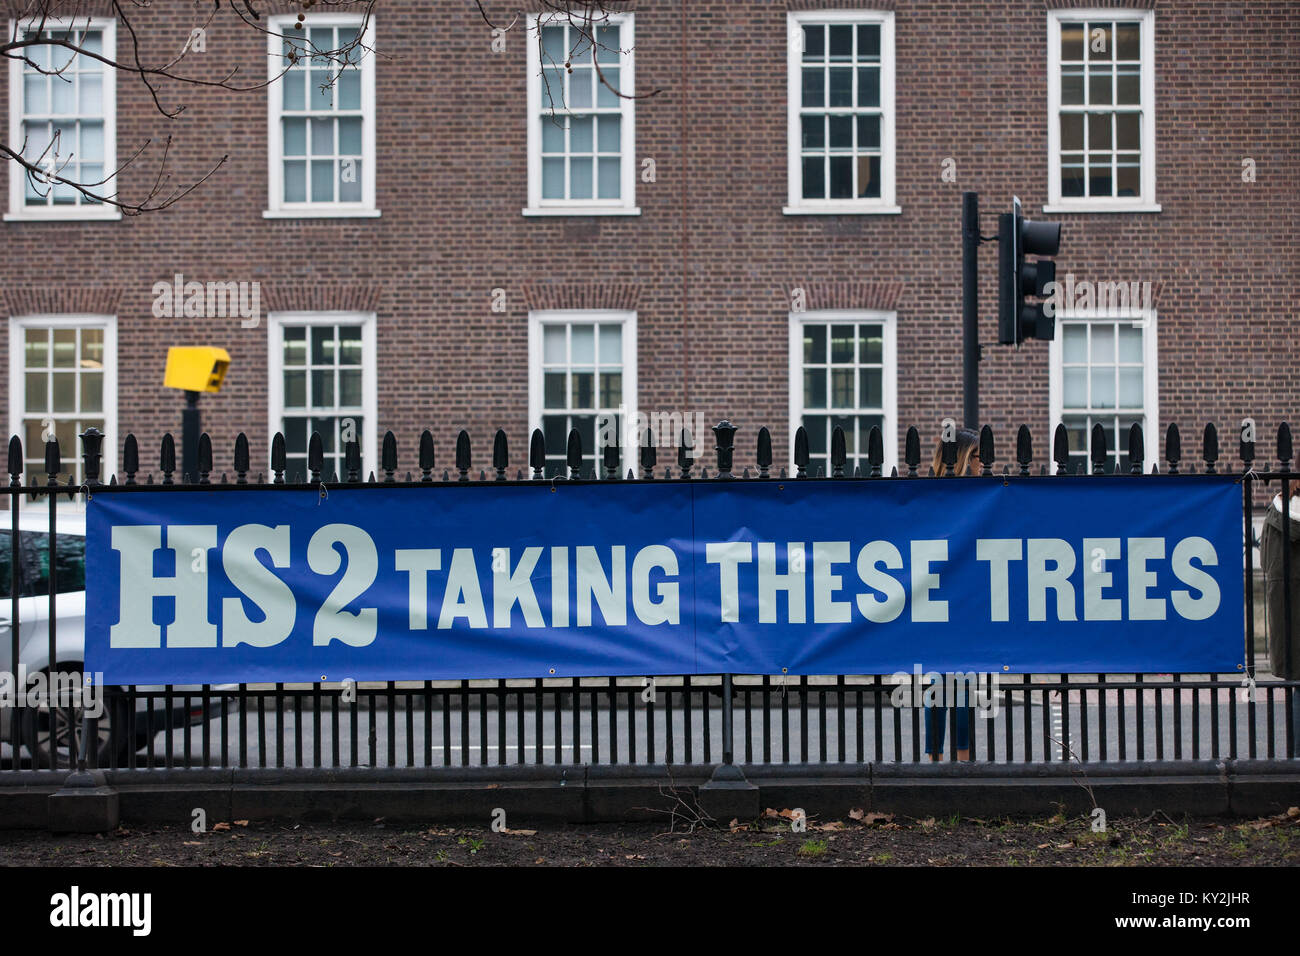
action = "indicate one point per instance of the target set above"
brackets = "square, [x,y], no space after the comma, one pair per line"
[322,180]
[553,344]
[552,178]
[350,345]
[869,177]
[1130,343]
[583,343]
[842,388]
[1130,387]
[841,37]
[350,180]
[295,181]
[1071,131]
[350,387]
[841,89]
[1099,126]
[814,343]
[37,348]
[322,137]
[35,391]
[1103,387]
[841,177]
[295,137]
[841,132]
[553,390]
[870,344]
[814,131]
[1128,41]
[322,344]
[295,389]
[580,134]
[1071,41]
[868,86]
[1128,90]
[63,388]
[1071,179]
[814,87]
[293,90]
[1072,87]
[580,81]
[814,178]
[35,94]
[1128,130]
[871,388]
[65,348]
[295,345]
[580,175]
[349,88]
[1099,88]
[322,388]
[609,134]
[1103,343]
[868,41]
[869,132]
[92,392]
[814,41]
[842,342]
[1074,343]
[815,426]
[605,95]
[611,344]
[611,389]
[1076,388]
[553,134]
[350,136]
[814,388]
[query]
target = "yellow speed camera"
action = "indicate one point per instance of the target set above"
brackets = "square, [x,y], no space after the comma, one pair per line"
[196,368]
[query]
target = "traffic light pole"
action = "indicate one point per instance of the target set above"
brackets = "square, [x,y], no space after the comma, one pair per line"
[970,313]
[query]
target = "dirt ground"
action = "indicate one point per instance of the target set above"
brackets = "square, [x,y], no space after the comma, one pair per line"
[861,839]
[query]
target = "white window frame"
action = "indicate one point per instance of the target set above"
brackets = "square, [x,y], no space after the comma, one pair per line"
[1152,439]
[540,318]
[889,360]
[279,27]
[19,211]
[795,203]
[626,204]
[276,324]
[1147,201]
[18,325]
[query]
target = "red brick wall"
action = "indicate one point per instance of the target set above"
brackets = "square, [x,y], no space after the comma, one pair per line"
[710,261]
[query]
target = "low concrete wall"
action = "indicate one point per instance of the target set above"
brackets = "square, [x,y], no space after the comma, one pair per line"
[582,794]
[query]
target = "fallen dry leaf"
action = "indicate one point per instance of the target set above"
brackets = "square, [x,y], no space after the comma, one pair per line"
[634,856]
[928,823]
[241,823]
[520,832]
[219,827]
[192,843]
[738,827]
[833,825]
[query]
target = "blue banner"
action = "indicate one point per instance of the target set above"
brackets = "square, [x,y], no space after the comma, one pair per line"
[1064,575]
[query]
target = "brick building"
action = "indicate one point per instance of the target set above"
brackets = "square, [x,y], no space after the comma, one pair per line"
[462,233]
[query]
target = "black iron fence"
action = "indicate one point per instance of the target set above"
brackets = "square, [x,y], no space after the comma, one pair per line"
[652,720]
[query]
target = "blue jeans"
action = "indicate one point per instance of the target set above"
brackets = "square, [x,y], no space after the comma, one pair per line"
[936,726]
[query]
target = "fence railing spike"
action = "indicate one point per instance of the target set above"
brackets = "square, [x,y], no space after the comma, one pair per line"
[500,454]
[801,452]
[986,451]
[1173,448]
[912,451]
[426,455]
[1247,442]
[839,452]
[167,458]
[16,458]
[1210,448]
[875,450]
[1024,450]
[724,434]
[764,452]
[1061,449]
[1099,452]
[1284,450]
[573,454]
[388,456]
[241,459]
[204,462]
[315,457]
[278,458]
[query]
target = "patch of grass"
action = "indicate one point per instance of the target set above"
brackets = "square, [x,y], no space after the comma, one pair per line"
[885,857]
[952,822]
[473,844]
[813,848]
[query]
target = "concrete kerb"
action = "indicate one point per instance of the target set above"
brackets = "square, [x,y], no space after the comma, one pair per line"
[591,794]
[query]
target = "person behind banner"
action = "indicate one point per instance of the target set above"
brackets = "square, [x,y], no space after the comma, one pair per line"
[936,718]
[1283,654]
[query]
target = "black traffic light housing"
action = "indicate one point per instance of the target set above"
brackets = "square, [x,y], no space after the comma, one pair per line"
[1017,237]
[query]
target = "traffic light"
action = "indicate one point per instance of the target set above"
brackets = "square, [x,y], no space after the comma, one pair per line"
[1017,237]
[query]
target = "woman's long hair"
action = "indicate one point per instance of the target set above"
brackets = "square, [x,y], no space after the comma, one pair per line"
[968,445]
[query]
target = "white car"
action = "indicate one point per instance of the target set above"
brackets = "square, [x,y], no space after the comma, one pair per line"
[69,642]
